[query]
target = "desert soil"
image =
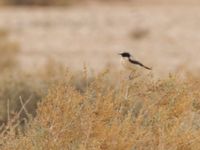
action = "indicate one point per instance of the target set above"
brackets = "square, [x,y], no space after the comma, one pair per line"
[166,38]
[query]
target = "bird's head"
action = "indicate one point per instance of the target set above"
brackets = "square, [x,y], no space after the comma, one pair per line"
[125,54]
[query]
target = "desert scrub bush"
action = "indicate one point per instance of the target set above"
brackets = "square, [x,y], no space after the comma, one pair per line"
[157,114]
[14,85]
[16,88]
[8,52]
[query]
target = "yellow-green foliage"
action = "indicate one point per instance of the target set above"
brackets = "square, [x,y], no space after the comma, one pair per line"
[139,114]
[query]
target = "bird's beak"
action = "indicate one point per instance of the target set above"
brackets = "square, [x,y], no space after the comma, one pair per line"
[119,53]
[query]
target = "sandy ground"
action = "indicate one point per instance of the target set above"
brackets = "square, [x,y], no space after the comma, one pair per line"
[166,38]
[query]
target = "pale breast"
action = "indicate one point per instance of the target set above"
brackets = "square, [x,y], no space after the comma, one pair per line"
[127,65]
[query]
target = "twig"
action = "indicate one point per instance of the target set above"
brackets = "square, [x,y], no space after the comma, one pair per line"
[14,119]
[23,105]
[8,110]
[88,136]
[127,91]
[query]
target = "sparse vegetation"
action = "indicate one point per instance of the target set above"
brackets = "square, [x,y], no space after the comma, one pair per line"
[96,112]
[16,86]
[157,114]
[56,108]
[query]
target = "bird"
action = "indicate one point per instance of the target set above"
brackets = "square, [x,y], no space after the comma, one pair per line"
[131,64]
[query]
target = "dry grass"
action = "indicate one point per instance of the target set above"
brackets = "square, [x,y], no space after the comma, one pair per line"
[103,111]
[155,114]
[16,86]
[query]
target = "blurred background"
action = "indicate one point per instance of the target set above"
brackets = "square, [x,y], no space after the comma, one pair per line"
[41,39]
[162,34]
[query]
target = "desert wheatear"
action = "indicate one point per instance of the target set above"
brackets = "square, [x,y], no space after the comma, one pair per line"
[131,64]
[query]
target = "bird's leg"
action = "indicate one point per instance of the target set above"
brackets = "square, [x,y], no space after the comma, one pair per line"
[128,85]
[127,91]
[131,76]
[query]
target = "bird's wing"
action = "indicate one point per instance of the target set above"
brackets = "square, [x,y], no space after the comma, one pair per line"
[139,63]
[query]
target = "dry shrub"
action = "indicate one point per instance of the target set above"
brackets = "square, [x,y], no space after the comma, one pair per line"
[154,115]
[16,87]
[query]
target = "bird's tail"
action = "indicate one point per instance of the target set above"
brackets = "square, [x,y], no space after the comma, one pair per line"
[147,67]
